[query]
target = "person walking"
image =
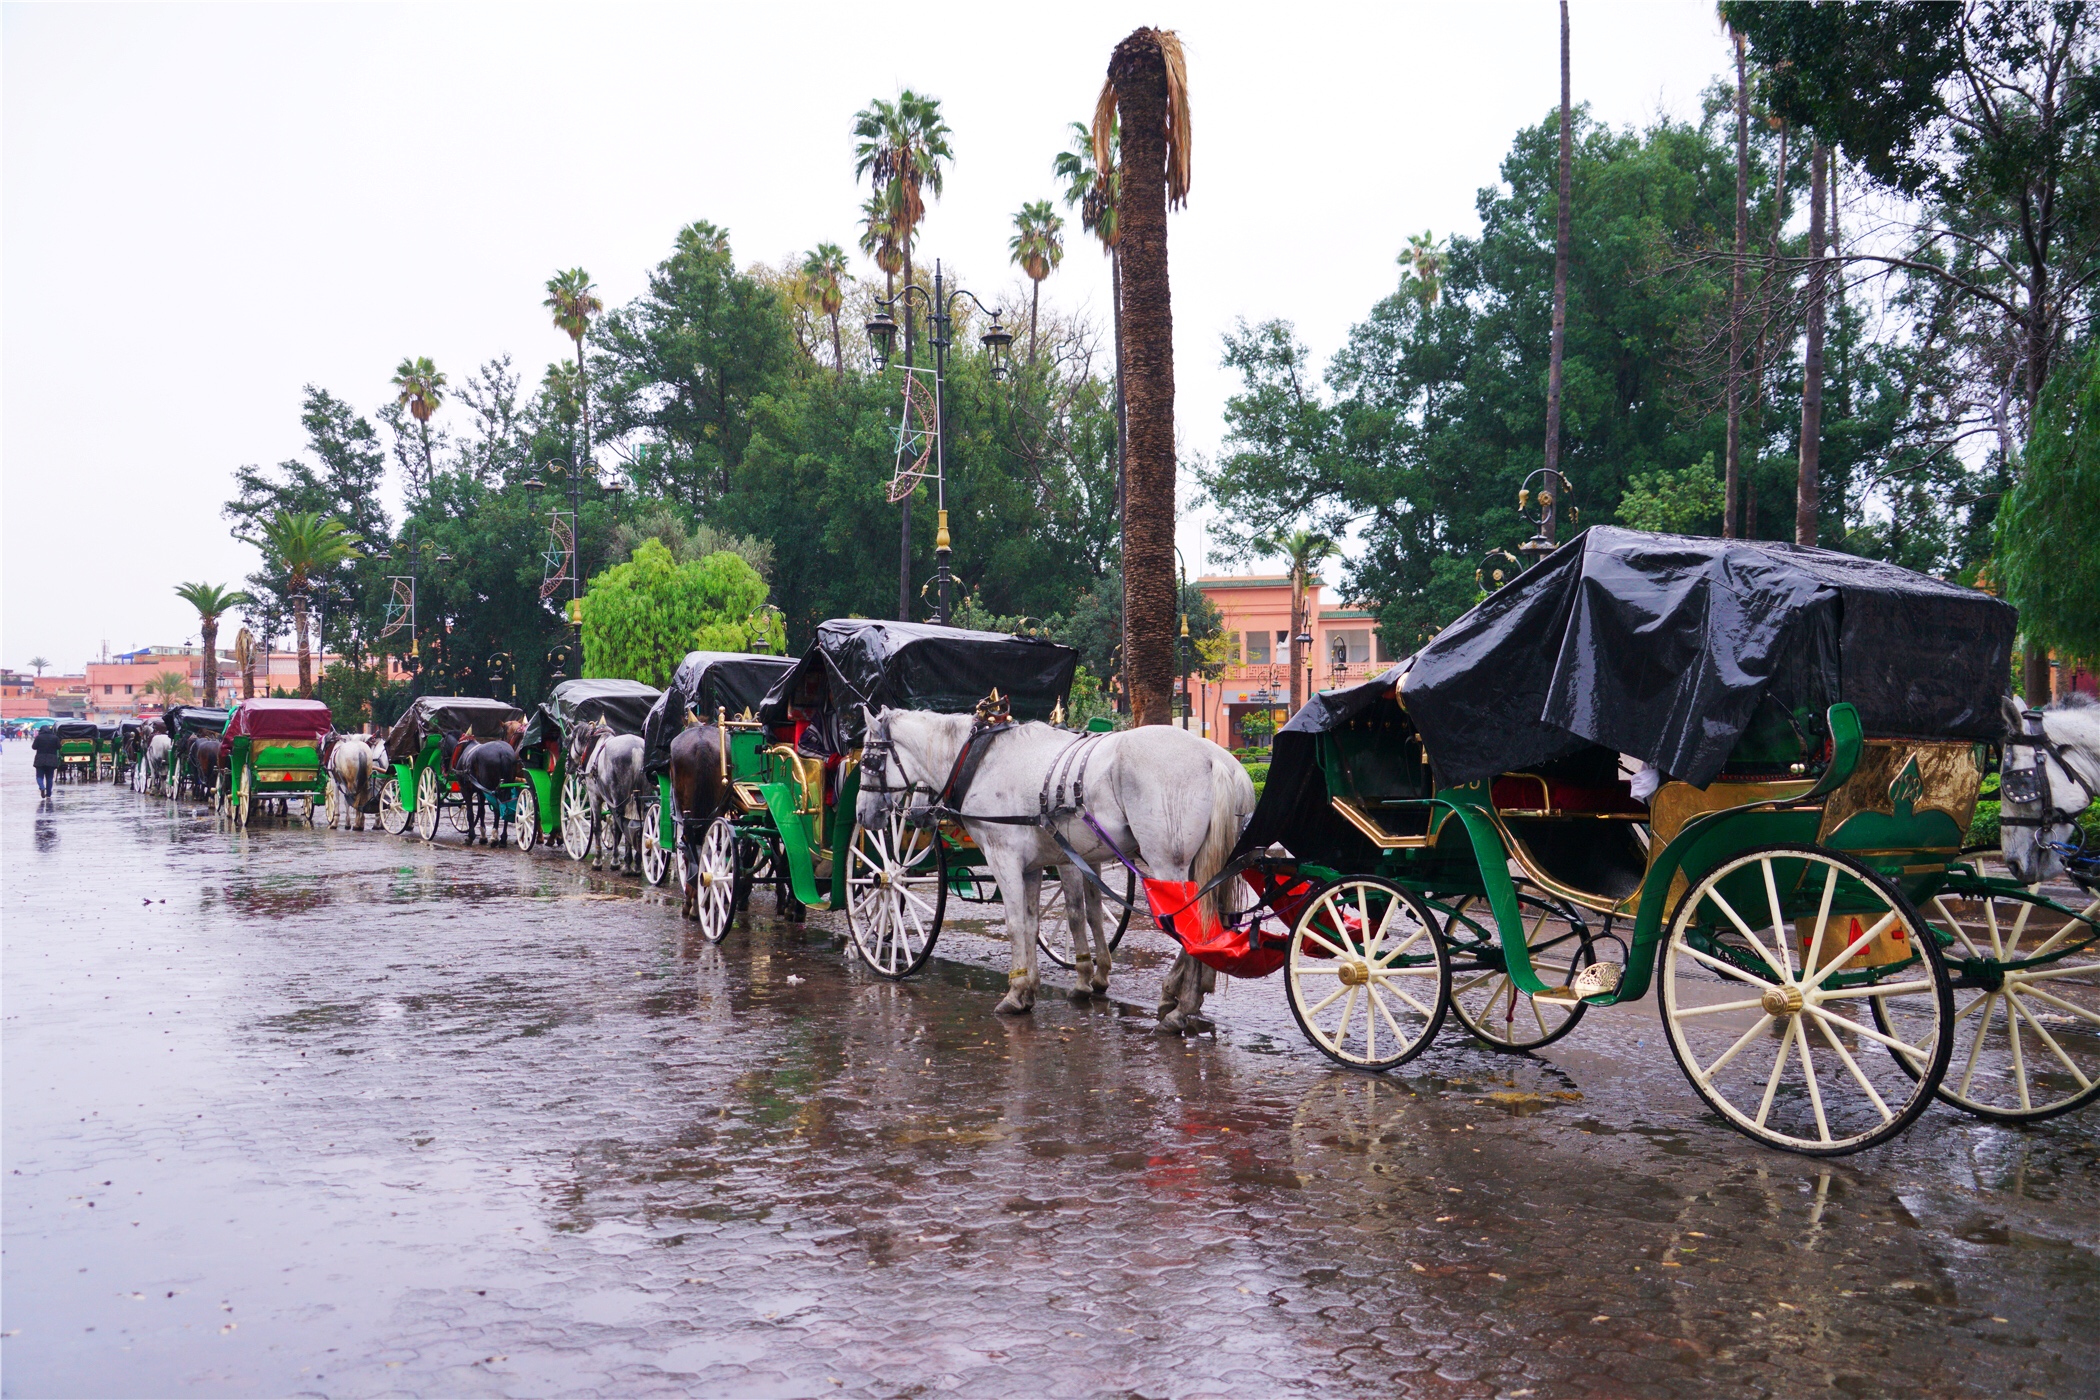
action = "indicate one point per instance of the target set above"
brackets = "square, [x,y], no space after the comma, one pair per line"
[45,747]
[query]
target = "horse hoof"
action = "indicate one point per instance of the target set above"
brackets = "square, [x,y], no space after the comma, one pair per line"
[1080,995]
[1012,1005]
[1173,1023]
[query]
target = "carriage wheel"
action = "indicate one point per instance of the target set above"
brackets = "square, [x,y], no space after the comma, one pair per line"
[656,861]
[2026,1005]
[526,834]
[429,805]
[1053,939]
[1368,976]
[715,900]
[1762,1005]
[457,811]
[393,817]
[579,819]
[1483,997]
[896,894]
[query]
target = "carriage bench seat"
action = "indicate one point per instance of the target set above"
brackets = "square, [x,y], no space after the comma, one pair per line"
[1530,795]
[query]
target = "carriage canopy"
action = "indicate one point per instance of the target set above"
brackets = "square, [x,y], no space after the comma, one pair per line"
[305,720]
[78,729]
[194,719]
[129,727]
[1666,647]
[914,666]
[450,715]
[622,704]
[708,683]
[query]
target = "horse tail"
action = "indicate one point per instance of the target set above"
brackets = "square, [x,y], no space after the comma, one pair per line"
[1223,833]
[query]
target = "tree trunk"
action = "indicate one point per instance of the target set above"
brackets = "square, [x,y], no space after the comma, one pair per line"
[1115,297]
[583,400]
[1808,487]
[904,531]
[2037,683]
[1035,304]
[1297,627]
[1139,72]
[838,349]
[306,666]
[209,626]
[1549,513]
[1768,294]
[429,468]
[1732,476]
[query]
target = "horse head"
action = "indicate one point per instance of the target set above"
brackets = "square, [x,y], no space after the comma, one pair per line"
[905,758]
[2050,775]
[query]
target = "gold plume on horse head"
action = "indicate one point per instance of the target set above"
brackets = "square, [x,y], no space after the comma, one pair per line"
[995,706]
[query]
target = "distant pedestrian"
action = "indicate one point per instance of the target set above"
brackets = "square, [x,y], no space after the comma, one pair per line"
[45,747]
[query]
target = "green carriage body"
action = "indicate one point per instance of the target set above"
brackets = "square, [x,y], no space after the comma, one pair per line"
[421,784]
[273,750]
[622,705]
[1831,720]
[185,724]
[79,749]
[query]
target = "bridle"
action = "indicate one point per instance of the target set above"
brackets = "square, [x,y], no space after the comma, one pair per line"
[2031,786]
[992,720]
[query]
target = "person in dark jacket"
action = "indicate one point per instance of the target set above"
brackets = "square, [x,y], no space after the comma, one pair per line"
[45,747]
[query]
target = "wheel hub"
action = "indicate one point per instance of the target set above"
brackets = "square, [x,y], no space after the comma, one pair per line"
[1354,973]
[1781,1001]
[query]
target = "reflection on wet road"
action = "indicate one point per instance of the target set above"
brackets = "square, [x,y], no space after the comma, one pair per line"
[307,1112]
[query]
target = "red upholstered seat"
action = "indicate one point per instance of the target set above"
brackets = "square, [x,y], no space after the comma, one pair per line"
[1524,792]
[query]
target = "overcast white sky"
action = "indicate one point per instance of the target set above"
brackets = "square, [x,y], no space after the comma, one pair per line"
[204,208]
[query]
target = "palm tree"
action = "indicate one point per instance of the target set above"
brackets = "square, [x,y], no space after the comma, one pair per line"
[421,389]
[902,147]
[304,546]
[170,686]
[824,269]
[1423,260]
[37,664]
[882,238]
[1305,550]
[1038,246]
[1146,97]
[1558,353]
[212,602]
[571,296]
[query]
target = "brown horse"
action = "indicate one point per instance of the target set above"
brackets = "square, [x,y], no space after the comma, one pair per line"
[701,790]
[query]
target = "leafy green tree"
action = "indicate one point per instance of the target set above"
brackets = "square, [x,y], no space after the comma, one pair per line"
[306,546]
[212,602]
[2046,564]
[641,618]
[1038,246]
[420,388]
[1683,501]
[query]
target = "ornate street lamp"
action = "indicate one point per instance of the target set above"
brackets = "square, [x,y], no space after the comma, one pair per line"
[882,334]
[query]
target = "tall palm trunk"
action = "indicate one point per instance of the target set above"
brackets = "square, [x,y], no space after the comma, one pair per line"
[1115,297]
[904,507]
[1035,304]
[583,398]
[1298,629]
[306,668]
[1139,72]
[1732,475]
[838,349]
[1809,487]
[1558,353]
[209,626]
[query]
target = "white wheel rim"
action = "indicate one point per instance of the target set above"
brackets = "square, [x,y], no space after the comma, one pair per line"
[653,864]
[2031,1046]
[576,827]
[1489,1002]
[715,899]
[427,805]
[1822,1078]
[527,829]
[1354,979]
[892,880]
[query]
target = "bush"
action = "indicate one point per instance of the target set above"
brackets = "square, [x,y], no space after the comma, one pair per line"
[641,618]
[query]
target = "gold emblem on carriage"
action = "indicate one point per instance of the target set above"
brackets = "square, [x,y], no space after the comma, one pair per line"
[1907,787]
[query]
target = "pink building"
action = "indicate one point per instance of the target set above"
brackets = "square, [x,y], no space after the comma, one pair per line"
[1257,620]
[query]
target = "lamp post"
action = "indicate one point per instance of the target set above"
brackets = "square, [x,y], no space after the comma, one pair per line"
[882,330]
[1305,643]
[1542,509]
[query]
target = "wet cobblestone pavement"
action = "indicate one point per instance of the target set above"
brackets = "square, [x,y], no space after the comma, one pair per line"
[314,1112]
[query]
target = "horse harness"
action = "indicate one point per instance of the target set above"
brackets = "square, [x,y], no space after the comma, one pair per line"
[2032,785]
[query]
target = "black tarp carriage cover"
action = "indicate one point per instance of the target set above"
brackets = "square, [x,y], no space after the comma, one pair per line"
[78,729]
[1295,808]
[1664,647]
[914,666]
[708,683]
[622,704]
[451,715]
[195,719]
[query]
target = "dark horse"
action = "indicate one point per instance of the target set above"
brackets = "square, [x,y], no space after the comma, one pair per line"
[204,761]
[701,788]
[489,772]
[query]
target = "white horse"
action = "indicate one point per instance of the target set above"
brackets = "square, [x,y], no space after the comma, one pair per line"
[613,775]
[157,755]
[2047,779]
[357,766]
[1163,798]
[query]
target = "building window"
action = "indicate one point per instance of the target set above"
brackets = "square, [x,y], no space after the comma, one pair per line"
[1349,646]
[127,690]
[1257,648]
[109,690]
[1385,656]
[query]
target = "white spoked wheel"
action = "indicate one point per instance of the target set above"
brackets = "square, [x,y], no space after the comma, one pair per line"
[579,819]
[428,809]
[656,861]
[1805,1000]
[393,817]
[1485,1000]
[458,813]
[896,894]
[1053,935]
[714,897]
[2026,1005]
[525,831]
[1367,973]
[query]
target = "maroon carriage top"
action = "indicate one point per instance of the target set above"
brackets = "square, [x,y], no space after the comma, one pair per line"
[280,719]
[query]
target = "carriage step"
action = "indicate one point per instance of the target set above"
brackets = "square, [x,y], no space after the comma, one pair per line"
[1598,979]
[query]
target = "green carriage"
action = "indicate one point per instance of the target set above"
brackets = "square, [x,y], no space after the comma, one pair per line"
[272,752]
[559,806]
[1463,835]
[79,749]
[185,725]
[109,741]
[421,785]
